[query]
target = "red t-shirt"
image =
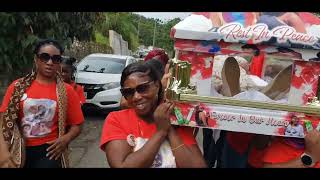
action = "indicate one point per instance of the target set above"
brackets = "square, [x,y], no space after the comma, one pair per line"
[118,125]
[80,92]
[257,65]
[256,157]
[239,141]
[39,111]
[279,152]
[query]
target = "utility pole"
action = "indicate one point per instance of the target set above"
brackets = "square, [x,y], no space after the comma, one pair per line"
[154,33]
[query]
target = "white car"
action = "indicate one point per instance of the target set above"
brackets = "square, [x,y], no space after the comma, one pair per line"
[100,75]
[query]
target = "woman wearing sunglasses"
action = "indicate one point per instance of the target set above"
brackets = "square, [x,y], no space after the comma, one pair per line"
[157,58]
[46,105]
[142,136]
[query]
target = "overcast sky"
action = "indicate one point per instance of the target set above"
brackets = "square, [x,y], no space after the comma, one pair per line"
[165,15]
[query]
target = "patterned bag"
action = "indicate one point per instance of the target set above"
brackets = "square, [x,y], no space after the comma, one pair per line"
[62,105]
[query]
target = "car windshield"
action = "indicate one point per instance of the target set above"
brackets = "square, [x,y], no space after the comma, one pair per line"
[102,65]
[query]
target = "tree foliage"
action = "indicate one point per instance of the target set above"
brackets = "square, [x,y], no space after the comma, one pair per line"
[138,30]
[162,29]
[122,23]
[22,29]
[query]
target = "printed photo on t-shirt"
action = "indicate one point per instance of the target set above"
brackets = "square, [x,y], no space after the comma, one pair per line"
[38,117]
[164,157]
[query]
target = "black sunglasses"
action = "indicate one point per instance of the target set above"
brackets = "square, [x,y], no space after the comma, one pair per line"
[128,93]
[45,57]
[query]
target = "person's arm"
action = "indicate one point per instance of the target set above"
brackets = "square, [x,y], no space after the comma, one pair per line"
[74,121]
[312,144]
[186,156]
[296,163]
[60,144]
[119,153]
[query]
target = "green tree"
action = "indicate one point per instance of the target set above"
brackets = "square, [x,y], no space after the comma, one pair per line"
[22,29]
[163,39]
[146,27]
[122,23]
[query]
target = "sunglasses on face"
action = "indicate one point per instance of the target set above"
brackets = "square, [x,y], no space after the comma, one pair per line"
[128,93]
[45,57]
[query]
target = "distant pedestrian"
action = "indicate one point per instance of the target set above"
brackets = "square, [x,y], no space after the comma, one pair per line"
[67,71]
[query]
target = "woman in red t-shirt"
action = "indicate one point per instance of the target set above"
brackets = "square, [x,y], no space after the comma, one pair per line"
[143,135]
[294,152]
[39,114]
[67,72]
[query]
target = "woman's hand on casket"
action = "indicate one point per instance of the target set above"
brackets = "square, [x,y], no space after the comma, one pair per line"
[162,116]
[312,140]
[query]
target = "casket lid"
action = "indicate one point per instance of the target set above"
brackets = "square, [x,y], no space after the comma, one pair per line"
[288,29]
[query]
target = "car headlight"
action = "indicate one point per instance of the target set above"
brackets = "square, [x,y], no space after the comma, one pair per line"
[111,85]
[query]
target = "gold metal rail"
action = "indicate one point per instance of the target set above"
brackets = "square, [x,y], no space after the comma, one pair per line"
[310,109]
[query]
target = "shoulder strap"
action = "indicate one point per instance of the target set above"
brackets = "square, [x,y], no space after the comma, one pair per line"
[62,116]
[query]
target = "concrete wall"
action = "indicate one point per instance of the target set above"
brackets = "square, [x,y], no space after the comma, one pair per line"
[118,45]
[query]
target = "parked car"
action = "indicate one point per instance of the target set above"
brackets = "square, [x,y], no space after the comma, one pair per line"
[100,75]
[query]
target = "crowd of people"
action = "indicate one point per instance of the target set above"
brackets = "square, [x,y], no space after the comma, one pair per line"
[41,114]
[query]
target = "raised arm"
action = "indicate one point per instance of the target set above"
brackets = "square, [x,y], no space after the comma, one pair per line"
[186,156]
[121,155]
[312,148]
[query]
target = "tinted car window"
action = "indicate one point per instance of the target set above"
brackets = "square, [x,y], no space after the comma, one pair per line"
[102,65]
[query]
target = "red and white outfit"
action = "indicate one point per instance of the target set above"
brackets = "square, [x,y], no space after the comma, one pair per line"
[279,152]
[125,124]
[39,111]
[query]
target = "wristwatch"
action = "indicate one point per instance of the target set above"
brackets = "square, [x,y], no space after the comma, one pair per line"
[306,160]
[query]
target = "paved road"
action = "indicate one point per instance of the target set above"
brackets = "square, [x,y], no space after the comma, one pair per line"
[85,149]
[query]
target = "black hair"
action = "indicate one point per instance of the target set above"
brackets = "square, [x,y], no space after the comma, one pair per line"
[253,47]
[156,64]
[143,68]
[69,61]
[43,42]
